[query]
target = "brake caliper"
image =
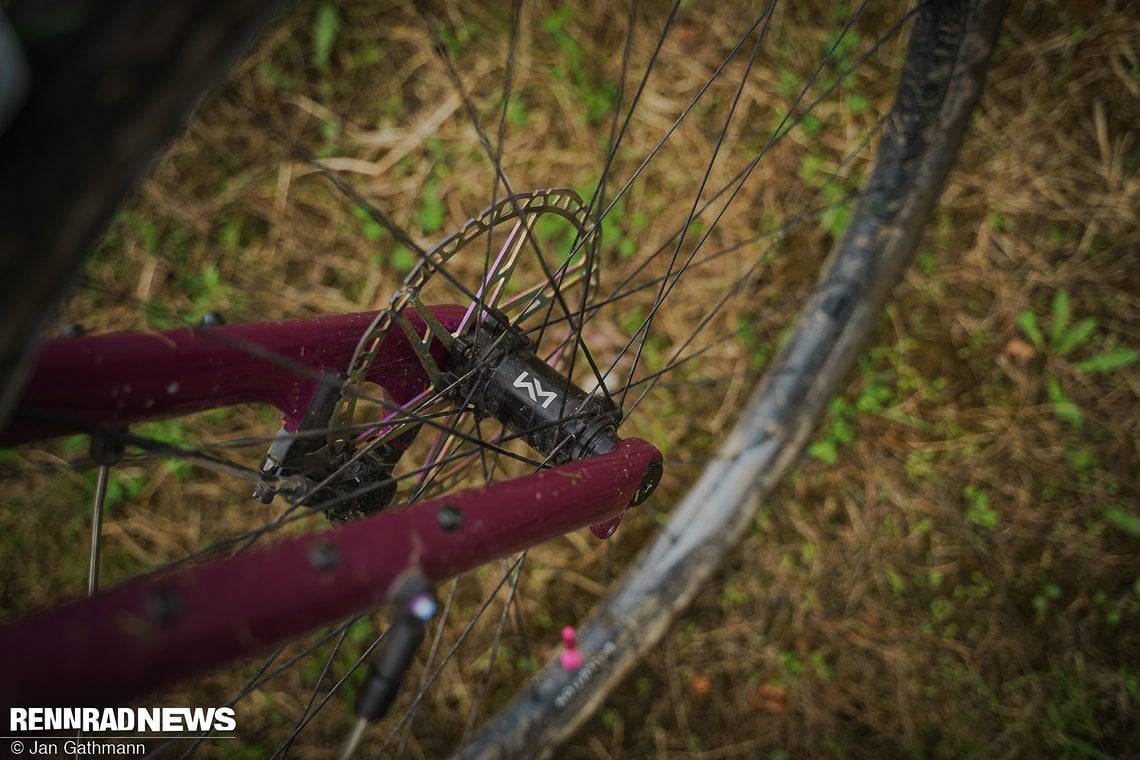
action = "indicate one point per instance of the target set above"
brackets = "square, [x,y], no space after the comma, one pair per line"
[352,485]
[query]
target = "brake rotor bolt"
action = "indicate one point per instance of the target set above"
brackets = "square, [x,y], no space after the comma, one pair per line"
[570,658]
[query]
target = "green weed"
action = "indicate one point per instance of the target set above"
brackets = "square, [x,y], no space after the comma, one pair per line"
[839,431]
[1125,521]
[277,78]
[598,94]
[432,211]
[1049,594]
[879,393]
[124,486]
[370,229]
[734,594]
[326,28]
[978,509]
[1061,338]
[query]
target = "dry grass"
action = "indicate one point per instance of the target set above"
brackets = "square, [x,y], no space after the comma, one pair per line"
[952,583]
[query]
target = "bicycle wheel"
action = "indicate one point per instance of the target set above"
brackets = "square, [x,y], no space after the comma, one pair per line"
[725,99]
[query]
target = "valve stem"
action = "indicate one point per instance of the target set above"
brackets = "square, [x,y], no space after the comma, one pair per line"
[415,607]
[571,657]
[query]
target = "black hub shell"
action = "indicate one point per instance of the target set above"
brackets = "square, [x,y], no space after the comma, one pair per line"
[497,371]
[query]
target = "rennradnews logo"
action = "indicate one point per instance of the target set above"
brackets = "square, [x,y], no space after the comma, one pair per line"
[166,720]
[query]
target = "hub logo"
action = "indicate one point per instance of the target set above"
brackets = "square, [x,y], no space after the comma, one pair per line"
[534,388]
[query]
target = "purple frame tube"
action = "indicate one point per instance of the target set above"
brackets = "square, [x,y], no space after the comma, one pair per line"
[118,379]
[159,629]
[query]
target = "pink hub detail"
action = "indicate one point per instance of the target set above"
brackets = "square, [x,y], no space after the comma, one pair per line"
[570,658]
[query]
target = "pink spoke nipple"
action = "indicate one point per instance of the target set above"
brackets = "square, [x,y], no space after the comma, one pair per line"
[570,658]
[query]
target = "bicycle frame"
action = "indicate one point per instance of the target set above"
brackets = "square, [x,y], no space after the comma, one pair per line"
[158,629]
[119,379]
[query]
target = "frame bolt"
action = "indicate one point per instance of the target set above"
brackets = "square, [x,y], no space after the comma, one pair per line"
[164,605]
[449,518]
[324,557]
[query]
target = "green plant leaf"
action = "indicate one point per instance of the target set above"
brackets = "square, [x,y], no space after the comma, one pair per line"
[277,77]
[1075,338]
[978,509]
[1062,311]
[1063,406]
[326,27]
[834,220]
[1108,361]
[432,212]
[556,22]
[858,104]
[1027,321]
[825,451]
[1125,521]
[403,260]
[811,125]
[370,228]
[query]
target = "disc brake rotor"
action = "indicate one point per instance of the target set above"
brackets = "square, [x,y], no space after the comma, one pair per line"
[488,303]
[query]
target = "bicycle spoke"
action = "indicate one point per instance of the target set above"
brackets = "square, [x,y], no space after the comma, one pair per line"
[102,473]
[512,576]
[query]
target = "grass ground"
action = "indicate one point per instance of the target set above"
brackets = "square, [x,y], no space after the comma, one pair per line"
[952,570]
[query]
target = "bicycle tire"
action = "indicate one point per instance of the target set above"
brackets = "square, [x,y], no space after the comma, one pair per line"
[942,78]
